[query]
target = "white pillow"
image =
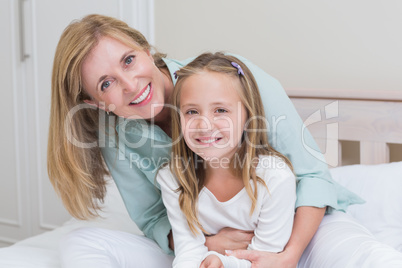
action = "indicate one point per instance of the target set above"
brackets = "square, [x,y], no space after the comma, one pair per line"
[381,187]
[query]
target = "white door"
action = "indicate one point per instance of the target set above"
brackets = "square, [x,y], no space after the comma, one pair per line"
[31,30]
[13,188]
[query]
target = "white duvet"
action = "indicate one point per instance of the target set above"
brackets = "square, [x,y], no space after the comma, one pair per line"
[379,185]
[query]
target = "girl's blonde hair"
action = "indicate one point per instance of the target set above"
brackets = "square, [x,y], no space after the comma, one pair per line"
[77,173]
[185,164]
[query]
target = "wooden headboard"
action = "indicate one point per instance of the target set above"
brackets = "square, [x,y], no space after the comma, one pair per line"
[369,121]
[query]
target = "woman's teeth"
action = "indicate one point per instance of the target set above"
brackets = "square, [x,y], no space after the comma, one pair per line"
[143,96]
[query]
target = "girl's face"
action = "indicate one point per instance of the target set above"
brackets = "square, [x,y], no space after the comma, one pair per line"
[212,115]
[123,80]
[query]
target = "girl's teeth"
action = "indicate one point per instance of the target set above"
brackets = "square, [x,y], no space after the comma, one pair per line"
[209,141]
[143,96]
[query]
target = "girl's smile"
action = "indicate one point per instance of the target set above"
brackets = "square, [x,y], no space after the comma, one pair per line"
[213,116]
[208,140]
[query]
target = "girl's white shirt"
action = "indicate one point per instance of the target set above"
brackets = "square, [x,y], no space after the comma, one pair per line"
[272,219]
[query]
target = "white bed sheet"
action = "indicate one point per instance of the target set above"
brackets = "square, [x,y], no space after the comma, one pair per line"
[42,251]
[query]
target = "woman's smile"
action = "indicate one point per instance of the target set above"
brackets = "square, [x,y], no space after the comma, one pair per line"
[124,76]
[143,97]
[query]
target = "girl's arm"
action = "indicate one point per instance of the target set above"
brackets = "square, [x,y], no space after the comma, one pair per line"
[275,219]
[189,249]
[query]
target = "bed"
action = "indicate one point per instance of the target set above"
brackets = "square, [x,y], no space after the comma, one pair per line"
[369,122]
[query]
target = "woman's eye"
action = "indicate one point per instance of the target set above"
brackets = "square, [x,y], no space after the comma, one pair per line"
[221,110]
[105,85]
[129,60]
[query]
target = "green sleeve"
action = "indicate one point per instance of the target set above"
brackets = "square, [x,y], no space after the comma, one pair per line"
[135,179]
[287,134]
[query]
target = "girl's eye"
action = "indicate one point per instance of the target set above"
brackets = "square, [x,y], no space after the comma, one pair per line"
[221,110]
[105,85]
[191,112]
[129,60]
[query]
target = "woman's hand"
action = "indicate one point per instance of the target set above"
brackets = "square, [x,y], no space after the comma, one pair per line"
[228,239]
[261,259]
[170,239]
[212,261]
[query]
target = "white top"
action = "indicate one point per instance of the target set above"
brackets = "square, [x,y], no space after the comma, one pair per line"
[272,219]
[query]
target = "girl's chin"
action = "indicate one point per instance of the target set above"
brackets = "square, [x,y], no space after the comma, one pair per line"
[215,159]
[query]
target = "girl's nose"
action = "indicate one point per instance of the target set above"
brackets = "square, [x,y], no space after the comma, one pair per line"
[203,123]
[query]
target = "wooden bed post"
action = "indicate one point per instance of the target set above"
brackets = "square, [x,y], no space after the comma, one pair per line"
[374,152]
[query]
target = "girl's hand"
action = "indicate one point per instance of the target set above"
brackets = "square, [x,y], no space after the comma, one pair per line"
[261,259]
[212,261]
[229,238]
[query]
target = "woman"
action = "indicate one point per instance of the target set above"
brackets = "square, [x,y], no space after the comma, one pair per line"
[103,63]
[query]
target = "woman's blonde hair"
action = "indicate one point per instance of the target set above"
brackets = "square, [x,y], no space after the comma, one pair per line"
[77,173]
[187,166]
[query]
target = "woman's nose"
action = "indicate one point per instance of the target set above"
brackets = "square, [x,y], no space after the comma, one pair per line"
[129,84]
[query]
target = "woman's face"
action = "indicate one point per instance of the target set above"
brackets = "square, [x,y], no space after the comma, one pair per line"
[123,80]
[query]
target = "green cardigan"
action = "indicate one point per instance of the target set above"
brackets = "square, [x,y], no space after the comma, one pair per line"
[134,158]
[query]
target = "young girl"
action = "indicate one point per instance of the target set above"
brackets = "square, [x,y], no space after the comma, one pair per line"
[224,172]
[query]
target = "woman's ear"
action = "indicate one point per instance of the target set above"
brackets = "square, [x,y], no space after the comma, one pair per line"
[101,105]
[148,51]
[92,103]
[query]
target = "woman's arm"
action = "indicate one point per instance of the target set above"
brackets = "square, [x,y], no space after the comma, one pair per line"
[315,188]
[133,168]
[229,238]
[288,135]
[307,220]
[141,198]
[190,249]
[275,214]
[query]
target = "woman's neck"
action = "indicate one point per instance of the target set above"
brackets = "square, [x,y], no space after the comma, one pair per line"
[163,118]
[168,83]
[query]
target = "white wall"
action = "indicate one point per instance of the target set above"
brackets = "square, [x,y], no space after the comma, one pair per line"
[320,44]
